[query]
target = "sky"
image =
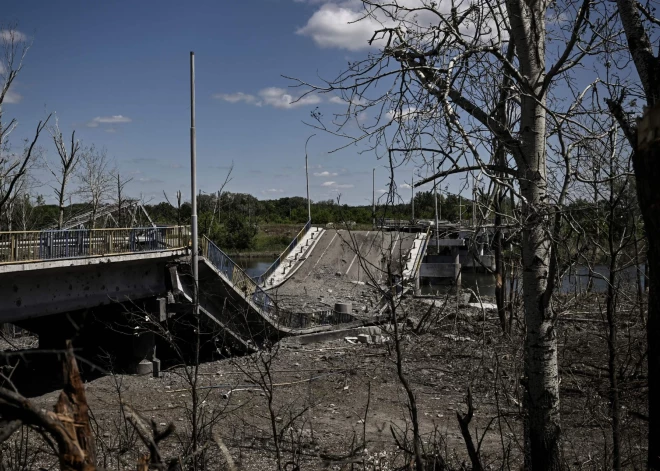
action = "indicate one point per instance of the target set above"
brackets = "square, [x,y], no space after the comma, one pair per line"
[118,73]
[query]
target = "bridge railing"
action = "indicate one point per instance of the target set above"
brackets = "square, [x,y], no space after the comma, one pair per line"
[32,246]
[264,276]
[421,253]
[235,274]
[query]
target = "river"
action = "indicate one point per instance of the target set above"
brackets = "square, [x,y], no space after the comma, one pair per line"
[479,282]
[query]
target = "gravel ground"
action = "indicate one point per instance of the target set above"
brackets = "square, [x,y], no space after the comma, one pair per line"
[322,393]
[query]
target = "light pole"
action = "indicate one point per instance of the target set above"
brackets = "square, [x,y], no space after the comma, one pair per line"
[373,197]
[193,187]
[412,191]
[435,197]
[309,204]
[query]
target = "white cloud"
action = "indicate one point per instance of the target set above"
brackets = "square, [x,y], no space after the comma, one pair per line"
[12,34]
[346,24]
[324,174]
[405,185]
[403,114]
[116,119]
[12,97]
[337,25]
[271,96]
[336,185]
[279,98]
[357,101]
[274,190]
[236,97]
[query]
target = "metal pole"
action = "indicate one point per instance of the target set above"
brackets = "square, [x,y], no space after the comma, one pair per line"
[435,197]
[474,201]
[373,197]
[460,208]
[309,203]
[412,191]
[193,187]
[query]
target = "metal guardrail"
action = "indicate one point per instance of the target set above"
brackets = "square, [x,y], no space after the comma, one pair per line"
[264,276]
[32,246]
[421,253]
[235,274]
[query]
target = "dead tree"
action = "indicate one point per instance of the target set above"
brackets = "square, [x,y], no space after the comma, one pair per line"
[67,165]
[638,24]
[120,196]
[67,426]
[431,83]
[95,176]
[13,165]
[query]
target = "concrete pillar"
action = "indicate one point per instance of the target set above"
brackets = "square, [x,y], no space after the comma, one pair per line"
[457,268]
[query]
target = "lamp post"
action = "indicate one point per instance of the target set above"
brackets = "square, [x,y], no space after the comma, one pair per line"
[412,191]
[309,204]
[193,187]
[373,197]
[435,198]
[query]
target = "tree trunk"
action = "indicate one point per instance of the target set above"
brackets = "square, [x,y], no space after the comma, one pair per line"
[543,447]
[499,265]
[646,161]
[612,371]
[542,423]
[541,369]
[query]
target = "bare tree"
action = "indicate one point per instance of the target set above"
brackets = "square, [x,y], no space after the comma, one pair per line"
[120,196]
[431,83]
[13,165]
[66,166]
[640,27]
[95,175]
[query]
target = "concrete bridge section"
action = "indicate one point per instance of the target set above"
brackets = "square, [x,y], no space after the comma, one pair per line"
[40,289]
[340,269]
[121,303]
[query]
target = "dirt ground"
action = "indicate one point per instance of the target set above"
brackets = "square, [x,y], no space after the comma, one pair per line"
[328,398]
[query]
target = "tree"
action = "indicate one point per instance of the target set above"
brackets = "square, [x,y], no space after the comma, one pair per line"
[13,165]
[67,165]
[432,84]
[638,21]
[120,196]
[96,180]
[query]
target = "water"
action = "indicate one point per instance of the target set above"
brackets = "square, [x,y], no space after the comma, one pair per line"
[573,282]
[479,282]
[254,266]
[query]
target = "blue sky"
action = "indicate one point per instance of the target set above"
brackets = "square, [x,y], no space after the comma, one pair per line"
[117,72]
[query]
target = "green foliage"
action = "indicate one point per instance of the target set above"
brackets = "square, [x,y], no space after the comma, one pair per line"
[237,234]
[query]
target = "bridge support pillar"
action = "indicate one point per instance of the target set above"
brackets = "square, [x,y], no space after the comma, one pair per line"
[457,268]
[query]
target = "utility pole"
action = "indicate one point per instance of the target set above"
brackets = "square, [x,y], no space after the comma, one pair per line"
[193,187]
[309,203]
[435,197]
[474,201]
[373,197]
[460,208]
[412,191]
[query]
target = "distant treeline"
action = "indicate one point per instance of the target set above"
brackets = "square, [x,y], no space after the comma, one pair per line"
[232,219]
[293,210]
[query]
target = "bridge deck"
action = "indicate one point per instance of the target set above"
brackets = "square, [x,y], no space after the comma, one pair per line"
[333,272]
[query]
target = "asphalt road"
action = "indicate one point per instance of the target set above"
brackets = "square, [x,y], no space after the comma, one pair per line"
[343,267]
